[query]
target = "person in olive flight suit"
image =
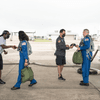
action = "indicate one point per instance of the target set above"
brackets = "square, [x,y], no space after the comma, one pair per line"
[85,46]
[61,48]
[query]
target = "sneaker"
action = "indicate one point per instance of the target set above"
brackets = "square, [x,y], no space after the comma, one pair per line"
[61,78]
[2,82]
[15,88]
[84,84]
[30,85]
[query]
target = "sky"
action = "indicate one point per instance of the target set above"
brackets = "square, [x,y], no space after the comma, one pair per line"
[45,16]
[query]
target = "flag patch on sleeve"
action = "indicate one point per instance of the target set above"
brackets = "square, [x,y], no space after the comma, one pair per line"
[86,39]
[59,41]
[24,43]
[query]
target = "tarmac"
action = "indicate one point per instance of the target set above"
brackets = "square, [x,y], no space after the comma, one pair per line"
[48,86]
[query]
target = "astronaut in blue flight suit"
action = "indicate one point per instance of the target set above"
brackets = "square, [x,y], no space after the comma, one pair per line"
[84,46]
[23,62]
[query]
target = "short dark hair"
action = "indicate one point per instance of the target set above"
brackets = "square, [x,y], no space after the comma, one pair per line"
[62,30]
[23,36]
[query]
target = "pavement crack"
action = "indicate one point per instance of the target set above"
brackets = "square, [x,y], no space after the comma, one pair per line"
[9,72]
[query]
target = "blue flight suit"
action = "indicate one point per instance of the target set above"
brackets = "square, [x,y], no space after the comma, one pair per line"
[23,55]
[86,60]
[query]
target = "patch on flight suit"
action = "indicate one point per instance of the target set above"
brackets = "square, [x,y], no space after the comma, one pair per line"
[86,39]
[59,41]
[23,43]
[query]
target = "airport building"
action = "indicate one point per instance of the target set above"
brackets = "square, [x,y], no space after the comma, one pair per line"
[69,35]
[14,35]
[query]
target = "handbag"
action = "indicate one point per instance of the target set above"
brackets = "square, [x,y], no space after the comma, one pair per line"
[27,74]
[77,57]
